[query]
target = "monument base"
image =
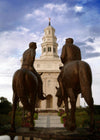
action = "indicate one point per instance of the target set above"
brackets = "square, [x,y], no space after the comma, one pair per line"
[54,134]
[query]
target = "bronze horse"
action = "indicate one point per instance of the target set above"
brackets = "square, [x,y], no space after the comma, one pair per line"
[76,78]
[24,86]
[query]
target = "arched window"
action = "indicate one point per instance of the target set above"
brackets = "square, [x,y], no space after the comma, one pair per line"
[44,49]
[49,49]
[49,101]
[54,50]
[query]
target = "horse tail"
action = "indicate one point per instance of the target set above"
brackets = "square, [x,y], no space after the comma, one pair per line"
[85,73]
[19,88]
[85,78]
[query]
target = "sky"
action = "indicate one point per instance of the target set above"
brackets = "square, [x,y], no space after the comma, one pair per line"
[23,21]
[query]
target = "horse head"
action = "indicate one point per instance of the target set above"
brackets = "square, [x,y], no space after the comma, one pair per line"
[58,95]
[41,73]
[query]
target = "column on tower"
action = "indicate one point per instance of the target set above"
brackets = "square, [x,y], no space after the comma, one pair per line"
[49,45]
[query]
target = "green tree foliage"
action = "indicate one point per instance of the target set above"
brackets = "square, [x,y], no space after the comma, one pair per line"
[5,106]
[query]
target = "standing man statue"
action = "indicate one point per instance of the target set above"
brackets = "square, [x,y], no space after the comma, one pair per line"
[70,52]
[28,62]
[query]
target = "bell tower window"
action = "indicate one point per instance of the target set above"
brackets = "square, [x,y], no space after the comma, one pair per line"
[49,49]
[44,49]
[54,50]
[49,43]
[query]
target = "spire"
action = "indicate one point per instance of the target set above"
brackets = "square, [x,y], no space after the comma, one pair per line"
[49,21]
[49,45]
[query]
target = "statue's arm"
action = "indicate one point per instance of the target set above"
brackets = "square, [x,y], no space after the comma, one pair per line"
[33,53]
[63,54]
[80,57]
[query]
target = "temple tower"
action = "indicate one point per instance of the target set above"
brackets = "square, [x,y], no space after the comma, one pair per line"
[49,45]
[48,64]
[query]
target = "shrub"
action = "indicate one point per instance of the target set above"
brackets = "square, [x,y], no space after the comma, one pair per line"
[26,120]
[4,119]
[82,117]
[35,116]
[63,118]
[18,121]
[61,112]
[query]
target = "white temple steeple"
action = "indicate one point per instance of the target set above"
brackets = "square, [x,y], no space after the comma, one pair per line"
[49,45]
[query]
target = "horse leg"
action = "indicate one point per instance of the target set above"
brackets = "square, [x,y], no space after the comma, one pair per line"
[85,77]
[25,103]
[87,94]
[73,108]
[66,105]
[15,100]
[32,102]
[62,89]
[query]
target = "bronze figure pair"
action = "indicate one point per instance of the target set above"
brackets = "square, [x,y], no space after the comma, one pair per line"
[75,78]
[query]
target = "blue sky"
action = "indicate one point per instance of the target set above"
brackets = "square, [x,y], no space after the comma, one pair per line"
[23,21]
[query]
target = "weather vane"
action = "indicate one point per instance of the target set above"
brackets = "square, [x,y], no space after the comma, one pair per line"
[49,21]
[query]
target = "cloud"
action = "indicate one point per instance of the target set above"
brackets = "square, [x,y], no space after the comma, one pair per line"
[91,40]
[74,18]
[95,67]
[36,13]
[78,8]
[89,47]
[55,11]
[13,44]
[56,7]
[69,18]
[6,89]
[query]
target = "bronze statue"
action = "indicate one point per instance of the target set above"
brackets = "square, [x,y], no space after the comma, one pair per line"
[70,52]
[75,78]
[27,85]
[28,63]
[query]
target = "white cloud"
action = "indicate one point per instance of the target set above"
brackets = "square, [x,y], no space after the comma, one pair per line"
[12,45]
[94,63]
[95,67]
[78,8]
[22,29]
[6,89]
[28,16]
[39,13]
[48,10]
[56,7]
[66,23]
[96,44]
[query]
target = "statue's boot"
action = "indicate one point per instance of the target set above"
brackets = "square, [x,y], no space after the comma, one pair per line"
[40,92]
[41,96]
[40,89]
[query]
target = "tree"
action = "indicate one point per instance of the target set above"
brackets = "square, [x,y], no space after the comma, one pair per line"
[5,105]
